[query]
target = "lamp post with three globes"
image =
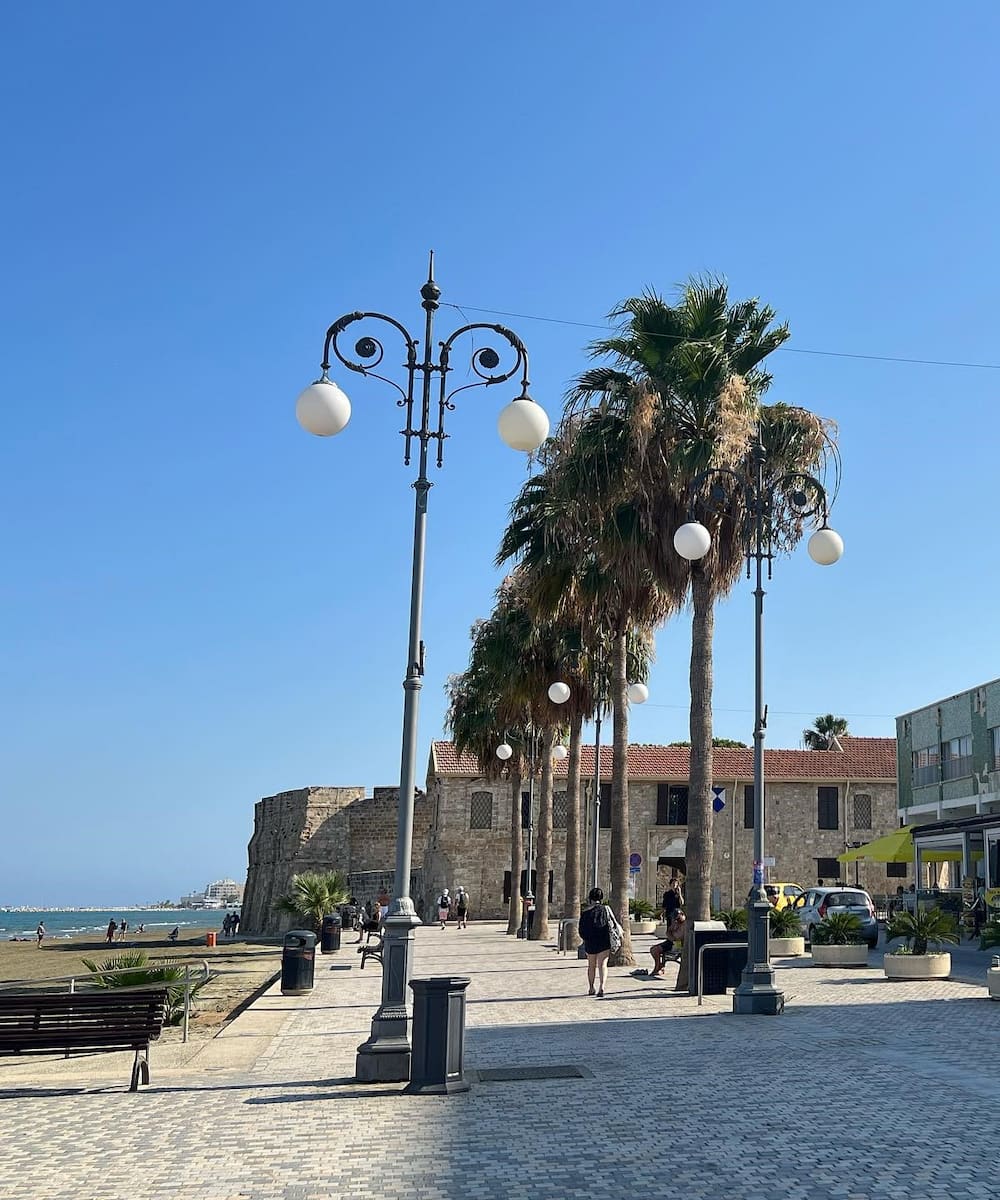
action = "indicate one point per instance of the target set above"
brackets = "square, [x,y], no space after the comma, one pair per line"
[763,499]
[324,410]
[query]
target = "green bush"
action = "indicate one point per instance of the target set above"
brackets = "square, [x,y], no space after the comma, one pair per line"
[785,923]
[989,935]
[920,930]
[641,910]
[838,929]
[134,971]
[313,894]
[732,918]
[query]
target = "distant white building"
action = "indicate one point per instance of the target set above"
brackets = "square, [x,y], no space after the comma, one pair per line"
[222,893]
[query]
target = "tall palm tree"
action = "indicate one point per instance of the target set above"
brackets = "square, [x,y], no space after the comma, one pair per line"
[576,563]
[824,732]
[686,379]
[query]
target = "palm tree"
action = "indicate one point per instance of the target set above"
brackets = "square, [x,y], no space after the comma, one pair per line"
[824,733]
[576,565]
[686,381]
[313,894]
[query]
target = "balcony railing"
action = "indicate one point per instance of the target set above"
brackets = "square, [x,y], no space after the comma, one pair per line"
[922,776]
[955,768]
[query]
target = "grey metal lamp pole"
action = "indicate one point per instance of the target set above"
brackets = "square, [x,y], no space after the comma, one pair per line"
[324,410]
[762,498]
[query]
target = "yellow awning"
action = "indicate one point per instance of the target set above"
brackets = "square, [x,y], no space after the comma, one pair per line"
[898,847]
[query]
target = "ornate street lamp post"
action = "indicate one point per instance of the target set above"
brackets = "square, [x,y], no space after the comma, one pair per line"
[323,409]
[762,498]
[504,752]
[559,693]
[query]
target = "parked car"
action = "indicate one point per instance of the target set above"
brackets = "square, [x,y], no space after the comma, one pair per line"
[818,902]
[782,895]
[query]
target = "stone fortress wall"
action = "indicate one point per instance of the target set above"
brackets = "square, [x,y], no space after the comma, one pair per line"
[322,829]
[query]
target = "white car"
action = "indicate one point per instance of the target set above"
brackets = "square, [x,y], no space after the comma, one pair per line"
[815,903]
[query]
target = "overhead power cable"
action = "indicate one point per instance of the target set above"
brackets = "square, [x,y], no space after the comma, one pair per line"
[892,358]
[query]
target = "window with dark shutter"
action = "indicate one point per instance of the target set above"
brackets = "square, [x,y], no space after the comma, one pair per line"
[862,811]
[662,798]
[827,868]
[748,806]
[605,821]
[559,810]
[896,870]
[481,810]
[828,807]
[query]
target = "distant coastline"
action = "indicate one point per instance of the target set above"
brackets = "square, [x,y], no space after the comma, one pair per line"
[60,923]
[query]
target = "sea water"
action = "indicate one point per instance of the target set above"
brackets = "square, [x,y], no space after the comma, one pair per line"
[93,922]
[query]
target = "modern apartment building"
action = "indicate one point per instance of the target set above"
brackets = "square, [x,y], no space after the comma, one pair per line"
[949,757]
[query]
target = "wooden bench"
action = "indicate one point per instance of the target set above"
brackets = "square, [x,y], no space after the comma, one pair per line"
[372,951]
[84,1022]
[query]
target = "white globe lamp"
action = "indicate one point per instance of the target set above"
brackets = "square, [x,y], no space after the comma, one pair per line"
[825,547]
[692,541]
[559,752]
[523,424]
[638,693]
[323,409]
[504,751]
[559,692]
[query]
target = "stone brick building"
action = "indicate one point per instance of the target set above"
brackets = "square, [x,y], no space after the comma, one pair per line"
[322,829]
[818,803]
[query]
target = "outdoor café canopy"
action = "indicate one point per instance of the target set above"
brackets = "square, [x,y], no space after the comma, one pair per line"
[898,847]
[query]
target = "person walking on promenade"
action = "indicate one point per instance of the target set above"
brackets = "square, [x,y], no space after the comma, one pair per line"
[597,922]
[40,932]
[227,925]
[444,907]
[112,926]
[462,908]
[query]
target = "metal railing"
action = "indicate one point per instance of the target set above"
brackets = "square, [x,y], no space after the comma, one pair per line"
[188,982]
[701,961]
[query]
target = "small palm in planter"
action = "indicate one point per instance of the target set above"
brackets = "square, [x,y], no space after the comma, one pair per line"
[732,918]
[786,938]
[989,935]
[643,915]
[922,933]
[838,941]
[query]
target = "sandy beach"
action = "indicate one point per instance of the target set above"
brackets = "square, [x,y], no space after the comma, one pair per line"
[243,967]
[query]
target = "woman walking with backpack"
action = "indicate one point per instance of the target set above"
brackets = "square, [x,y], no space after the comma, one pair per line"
[599,930]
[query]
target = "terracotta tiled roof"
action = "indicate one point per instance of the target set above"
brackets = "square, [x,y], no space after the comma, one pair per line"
[862,758]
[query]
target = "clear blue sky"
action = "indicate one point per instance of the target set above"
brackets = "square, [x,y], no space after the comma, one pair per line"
[203,605]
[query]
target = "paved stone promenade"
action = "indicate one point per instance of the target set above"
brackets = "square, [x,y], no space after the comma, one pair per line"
[863,1089]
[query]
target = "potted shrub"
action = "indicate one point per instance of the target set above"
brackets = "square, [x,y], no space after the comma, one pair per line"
[732,918]
[786,940]
[838,941]
[643,916]
[922,933]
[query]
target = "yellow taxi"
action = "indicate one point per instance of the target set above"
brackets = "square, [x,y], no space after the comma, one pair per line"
[783,894]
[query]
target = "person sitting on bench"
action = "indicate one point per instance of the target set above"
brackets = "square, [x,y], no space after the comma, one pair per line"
[661,951]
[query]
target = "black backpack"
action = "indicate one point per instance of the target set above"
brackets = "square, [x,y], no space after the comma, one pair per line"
[593,920]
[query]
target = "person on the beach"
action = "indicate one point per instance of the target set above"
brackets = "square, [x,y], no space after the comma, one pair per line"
[112,926]
[140,928]
[40,932]
[122,930]
[462,908]
[174,934]
[235,924]
[595,933]
[227,925]
[444,907]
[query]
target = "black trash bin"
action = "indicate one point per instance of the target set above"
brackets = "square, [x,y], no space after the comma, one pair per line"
[438,1056]
[329,938]
[722,968]
[298,962]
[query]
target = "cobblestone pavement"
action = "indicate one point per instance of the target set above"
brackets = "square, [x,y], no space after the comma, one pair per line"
[864,1089]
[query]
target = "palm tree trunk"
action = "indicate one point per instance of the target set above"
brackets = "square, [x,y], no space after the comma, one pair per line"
[516,853]
[574,809]
[543,855]
[619,802]
[698,884]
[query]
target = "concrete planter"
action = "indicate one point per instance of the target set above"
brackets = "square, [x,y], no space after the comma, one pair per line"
[917,966]
[790,947]
[643,927]
[840,956]
[993,982]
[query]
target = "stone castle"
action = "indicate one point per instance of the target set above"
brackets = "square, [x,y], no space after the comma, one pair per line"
[818,803]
